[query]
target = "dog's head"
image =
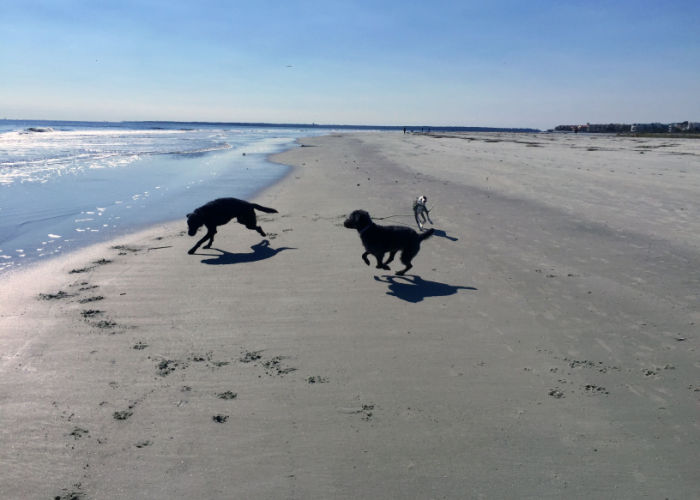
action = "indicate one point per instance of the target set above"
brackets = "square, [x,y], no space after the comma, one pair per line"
[358,219]
[422,200]
[194,222]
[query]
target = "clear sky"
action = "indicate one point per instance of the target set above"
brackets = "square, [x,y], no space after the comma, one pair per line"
[465,63]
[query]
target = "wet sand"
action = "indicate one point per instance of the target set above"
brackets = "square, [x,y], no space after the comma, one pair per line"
[543,346]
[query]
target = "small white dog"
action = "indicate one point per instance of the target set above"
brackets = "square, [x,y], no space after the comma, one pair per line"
[420,210]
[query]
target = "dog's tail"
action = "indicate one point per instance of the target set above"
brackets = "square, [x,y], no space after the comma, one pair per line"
[264,209]
[427,234]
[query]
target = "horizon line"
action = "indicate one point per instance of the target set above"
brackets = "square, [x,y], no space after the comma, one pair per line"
[282,124]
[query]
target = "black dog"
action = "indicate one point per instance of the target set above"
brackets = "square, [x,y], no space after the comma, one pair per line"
[219,212]
[378,240]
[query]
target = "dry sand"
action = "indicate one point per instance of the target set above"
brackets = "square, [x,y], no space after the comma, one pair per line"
[543,346]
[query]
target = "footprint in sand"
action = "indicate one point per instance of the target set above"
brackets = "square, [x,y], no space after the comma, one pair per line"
[595,389]
[105,324]
[166,366]
[250,356]
[79,432]
[55,296]
[87,300]
[556,393]
[122,415]
[366,410]
[81,270]
[125,250]
[74,493]
[274,367]
[227,395]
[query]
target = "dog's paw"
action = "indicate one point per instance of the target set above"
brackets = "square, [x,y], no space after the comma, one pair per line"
[191,251]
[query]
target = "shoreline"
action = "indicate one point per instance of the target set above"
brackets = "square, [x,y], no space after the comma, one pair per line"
[138,228]
[543,345]
[98,204]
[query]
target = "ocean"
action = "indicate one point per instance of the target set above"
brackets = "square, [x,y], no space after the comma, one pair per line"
[67,185]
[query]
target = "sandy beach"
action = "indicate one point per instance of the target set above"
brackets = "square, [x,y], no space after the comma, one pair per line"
[544,345]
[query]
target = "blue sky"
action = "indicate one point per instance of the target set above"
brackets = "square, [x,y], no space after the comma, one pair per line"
[497,63]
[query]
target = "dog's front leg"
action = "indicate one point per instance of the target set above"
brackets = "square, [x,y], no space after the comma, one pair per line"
[194,248]
[391,257]
[381,265]
[210,234]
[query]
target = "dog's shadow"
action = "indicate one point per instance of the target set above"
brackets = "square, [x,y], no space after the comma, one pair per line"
[261,251]
[414,289]
[442,234]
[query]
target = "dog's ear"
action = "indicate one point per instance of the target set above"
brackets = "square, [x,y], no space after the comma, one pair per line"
[188,215]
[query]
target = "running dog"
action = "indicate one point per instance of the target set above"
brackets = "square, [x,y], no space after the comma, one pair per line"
[379,240]
[421,210]
[219,212]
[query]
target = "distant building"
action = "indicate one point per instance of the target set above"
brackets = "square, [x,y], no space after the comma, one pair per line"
[621,128]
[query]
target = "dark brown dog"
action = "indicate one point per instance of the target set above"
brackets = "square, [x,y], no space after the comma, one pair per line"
[379,240]
[219,212]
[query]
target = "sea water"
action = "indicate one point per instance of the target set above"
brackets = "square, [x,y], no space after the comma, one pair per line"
[66,185]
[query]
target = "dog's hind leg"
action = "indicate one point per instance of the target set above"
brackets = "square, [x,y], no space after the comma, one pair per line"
[406,257]
[252,225]
[403,271]
[364,257]
[249,220]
